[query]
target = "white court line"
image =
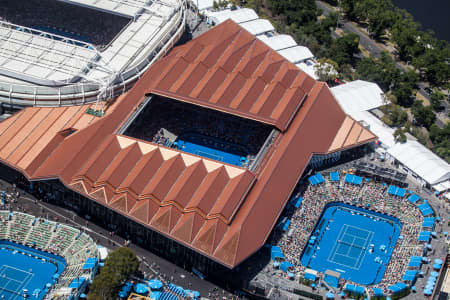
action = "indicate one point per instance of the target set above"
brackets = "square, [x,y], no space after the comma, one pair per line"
[362,253]
[21,283]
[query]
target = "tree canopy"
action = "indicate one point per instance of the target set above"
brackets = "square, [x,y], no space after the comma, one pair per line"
[119,265]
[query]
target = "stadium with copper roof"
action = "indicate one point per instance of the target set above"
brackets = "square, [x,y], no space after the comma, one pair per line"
[199,158]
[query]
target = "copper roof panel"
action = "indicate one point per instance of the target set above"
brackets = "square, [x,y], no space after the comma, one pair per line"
[25,131]
[35,135]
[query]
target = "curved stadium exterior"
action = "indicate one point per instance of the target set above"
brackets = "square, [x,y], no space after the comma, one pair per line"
[194,209]
[38,68]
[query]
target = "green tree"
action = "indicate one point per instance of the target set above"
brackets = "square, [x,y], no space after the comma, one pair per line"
[423,115]
[405,35]
[400,136]
[119,265]
[326,69]
[345,48]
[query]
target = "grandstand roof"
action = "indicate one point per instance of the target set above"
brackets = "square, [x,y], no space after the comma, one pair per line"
[222,211]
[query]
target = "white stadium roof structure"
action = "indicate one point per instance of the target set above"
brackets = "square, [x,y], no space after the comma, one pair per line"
[42,69]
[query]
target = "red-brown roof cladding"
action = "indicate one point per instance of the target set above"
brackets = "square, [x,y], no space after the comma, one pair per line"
[235,73]
[221,211]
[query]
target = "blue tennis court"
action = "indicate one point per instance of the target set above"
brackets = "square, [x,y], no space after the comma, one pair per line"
[23,268]
[212,148]
[353,241]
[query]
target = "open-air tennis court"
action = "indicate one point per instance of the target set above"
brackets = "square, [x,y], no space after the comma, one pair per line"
[23,268]
[350,247]
[13,280]
[352,241]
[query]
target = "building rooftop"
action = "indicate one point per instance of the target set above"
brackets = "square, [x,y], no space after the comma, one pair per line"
[221,211]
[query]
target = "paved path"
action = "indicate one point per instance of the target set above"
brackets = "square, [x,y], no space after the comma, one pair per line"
[151,265]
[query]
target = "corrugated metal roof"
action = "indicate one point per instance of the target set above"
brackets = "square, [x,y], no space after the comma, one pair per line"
[221,211]
[237,74]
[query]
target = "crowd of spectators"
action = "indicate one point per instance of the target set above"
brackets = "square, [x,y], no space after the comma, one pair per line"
[210,128]
[57,17]
[370,194]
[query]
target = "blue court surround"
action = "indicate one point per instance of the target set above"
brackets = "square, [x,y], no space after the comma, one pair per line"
[212,148]
[23,268]
[343,237]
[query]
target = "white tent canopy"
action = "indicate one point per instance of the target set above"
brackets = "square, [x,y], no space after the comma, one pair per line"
[443,186]
[421,161]
[385,133]
[204,4]
[296,54]
[308,68]
[238,15]
[358,95]
[258,26]
[278,42]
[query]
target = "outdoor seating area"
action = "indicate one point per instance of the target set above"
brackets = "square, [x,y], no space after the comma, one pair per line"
[415,215]
[156,289]
[75,247]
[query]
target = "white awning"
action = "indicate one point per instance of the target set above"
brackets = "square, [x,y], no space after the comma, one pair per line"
[442,187]
[296,54]
[278,42]
[359,95]
[238,15]
[421,161]
[258,26]
[103,252]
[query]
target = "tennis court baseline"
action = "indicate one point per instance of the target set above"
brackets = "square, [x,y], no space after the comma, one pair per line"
[350,247]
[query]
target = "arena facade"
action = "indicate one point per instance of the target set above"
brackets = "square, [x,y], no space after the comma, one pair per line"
[62,53]
[199,211]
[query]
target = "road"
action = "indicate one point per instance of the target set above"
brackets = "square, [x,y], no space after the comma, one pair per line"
[375,50]
[152,266]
